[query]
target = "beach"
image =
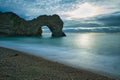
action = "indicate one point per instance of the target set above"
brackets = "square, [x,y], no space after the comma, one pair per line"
[16,65]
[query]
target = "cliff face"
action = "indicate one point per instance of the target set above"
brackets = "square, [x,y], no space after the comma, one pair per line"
[13,25]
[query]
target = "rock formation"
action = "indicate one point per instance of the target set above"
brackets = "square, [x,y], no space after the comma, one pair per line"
[13,25]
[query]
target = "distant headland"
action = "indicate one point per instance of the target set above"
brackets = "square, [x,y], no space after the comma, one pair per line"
[12,25]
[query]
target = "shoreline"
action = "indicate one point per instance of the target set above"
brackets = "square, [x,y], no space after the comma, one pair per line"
[17,65]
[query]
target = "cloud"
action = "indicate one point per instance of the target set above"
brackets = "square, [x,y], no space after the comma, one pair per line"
[112,19]
[29,9]
[82,23]
[68,1]
[108,20]
[93,29]
[34,8]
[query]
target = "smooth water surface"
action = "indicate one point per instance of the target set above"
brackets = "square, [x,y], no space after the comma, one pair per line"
[99,52]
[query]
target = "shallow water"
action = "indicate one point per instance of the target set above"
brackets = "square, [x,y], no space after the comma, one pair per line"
[99,52]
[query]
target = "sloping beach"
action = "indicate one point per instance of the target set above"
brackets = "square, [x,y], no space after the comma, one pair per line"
[16,65]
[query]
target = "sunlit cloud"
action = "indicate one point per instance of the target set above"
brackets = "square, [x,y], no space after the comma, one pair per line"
[82,11]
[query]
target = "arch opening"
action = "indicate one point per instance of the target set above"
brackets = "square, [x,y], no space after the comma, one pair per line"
[45,31]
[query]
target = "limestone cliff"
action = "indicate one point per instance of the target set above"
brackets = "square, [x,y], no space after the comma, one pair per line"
[13,25]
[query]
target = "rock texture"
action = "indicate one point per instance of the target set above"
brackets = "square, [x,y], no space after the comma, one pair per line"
[13,25]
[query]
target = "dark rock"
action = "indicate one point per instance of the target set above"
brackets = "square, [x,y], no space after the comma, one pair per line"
[13,25]
[7,75]
[16,55]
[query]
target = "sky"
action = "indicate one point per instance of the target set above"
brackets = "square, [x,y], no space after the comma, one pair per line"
[73,12]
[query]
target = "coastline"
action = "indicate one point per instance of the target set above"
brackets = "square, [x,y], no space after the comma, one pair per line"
[16,65]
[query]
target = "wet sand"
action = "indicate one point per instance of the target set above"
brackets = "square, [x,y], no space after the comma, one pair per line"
[16,65]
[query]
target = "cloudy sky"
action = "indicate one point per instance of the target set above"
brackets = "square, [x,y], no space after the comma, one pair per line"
[78,12]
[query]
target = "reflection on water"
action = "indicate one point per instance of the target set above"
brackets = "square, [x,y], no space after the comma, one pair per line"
[94,51]
[84,40]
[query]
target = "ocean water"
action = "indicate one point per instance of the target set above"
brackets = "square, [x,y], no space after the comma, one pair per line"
[97,52]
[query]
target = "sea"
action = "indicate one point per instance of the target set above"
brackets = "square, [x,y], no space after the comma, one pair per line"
[96,52]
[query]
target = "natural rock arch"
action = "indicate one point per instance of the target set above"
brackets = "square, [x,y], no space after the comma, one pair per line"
[11,24]
[54,23]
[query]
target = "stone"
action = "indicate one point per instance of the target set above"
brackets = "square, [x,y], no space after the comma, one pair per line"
[12,25]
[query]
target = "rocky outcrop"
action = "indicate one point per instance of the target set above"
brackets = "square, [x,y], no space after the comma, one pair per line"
[13,25]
